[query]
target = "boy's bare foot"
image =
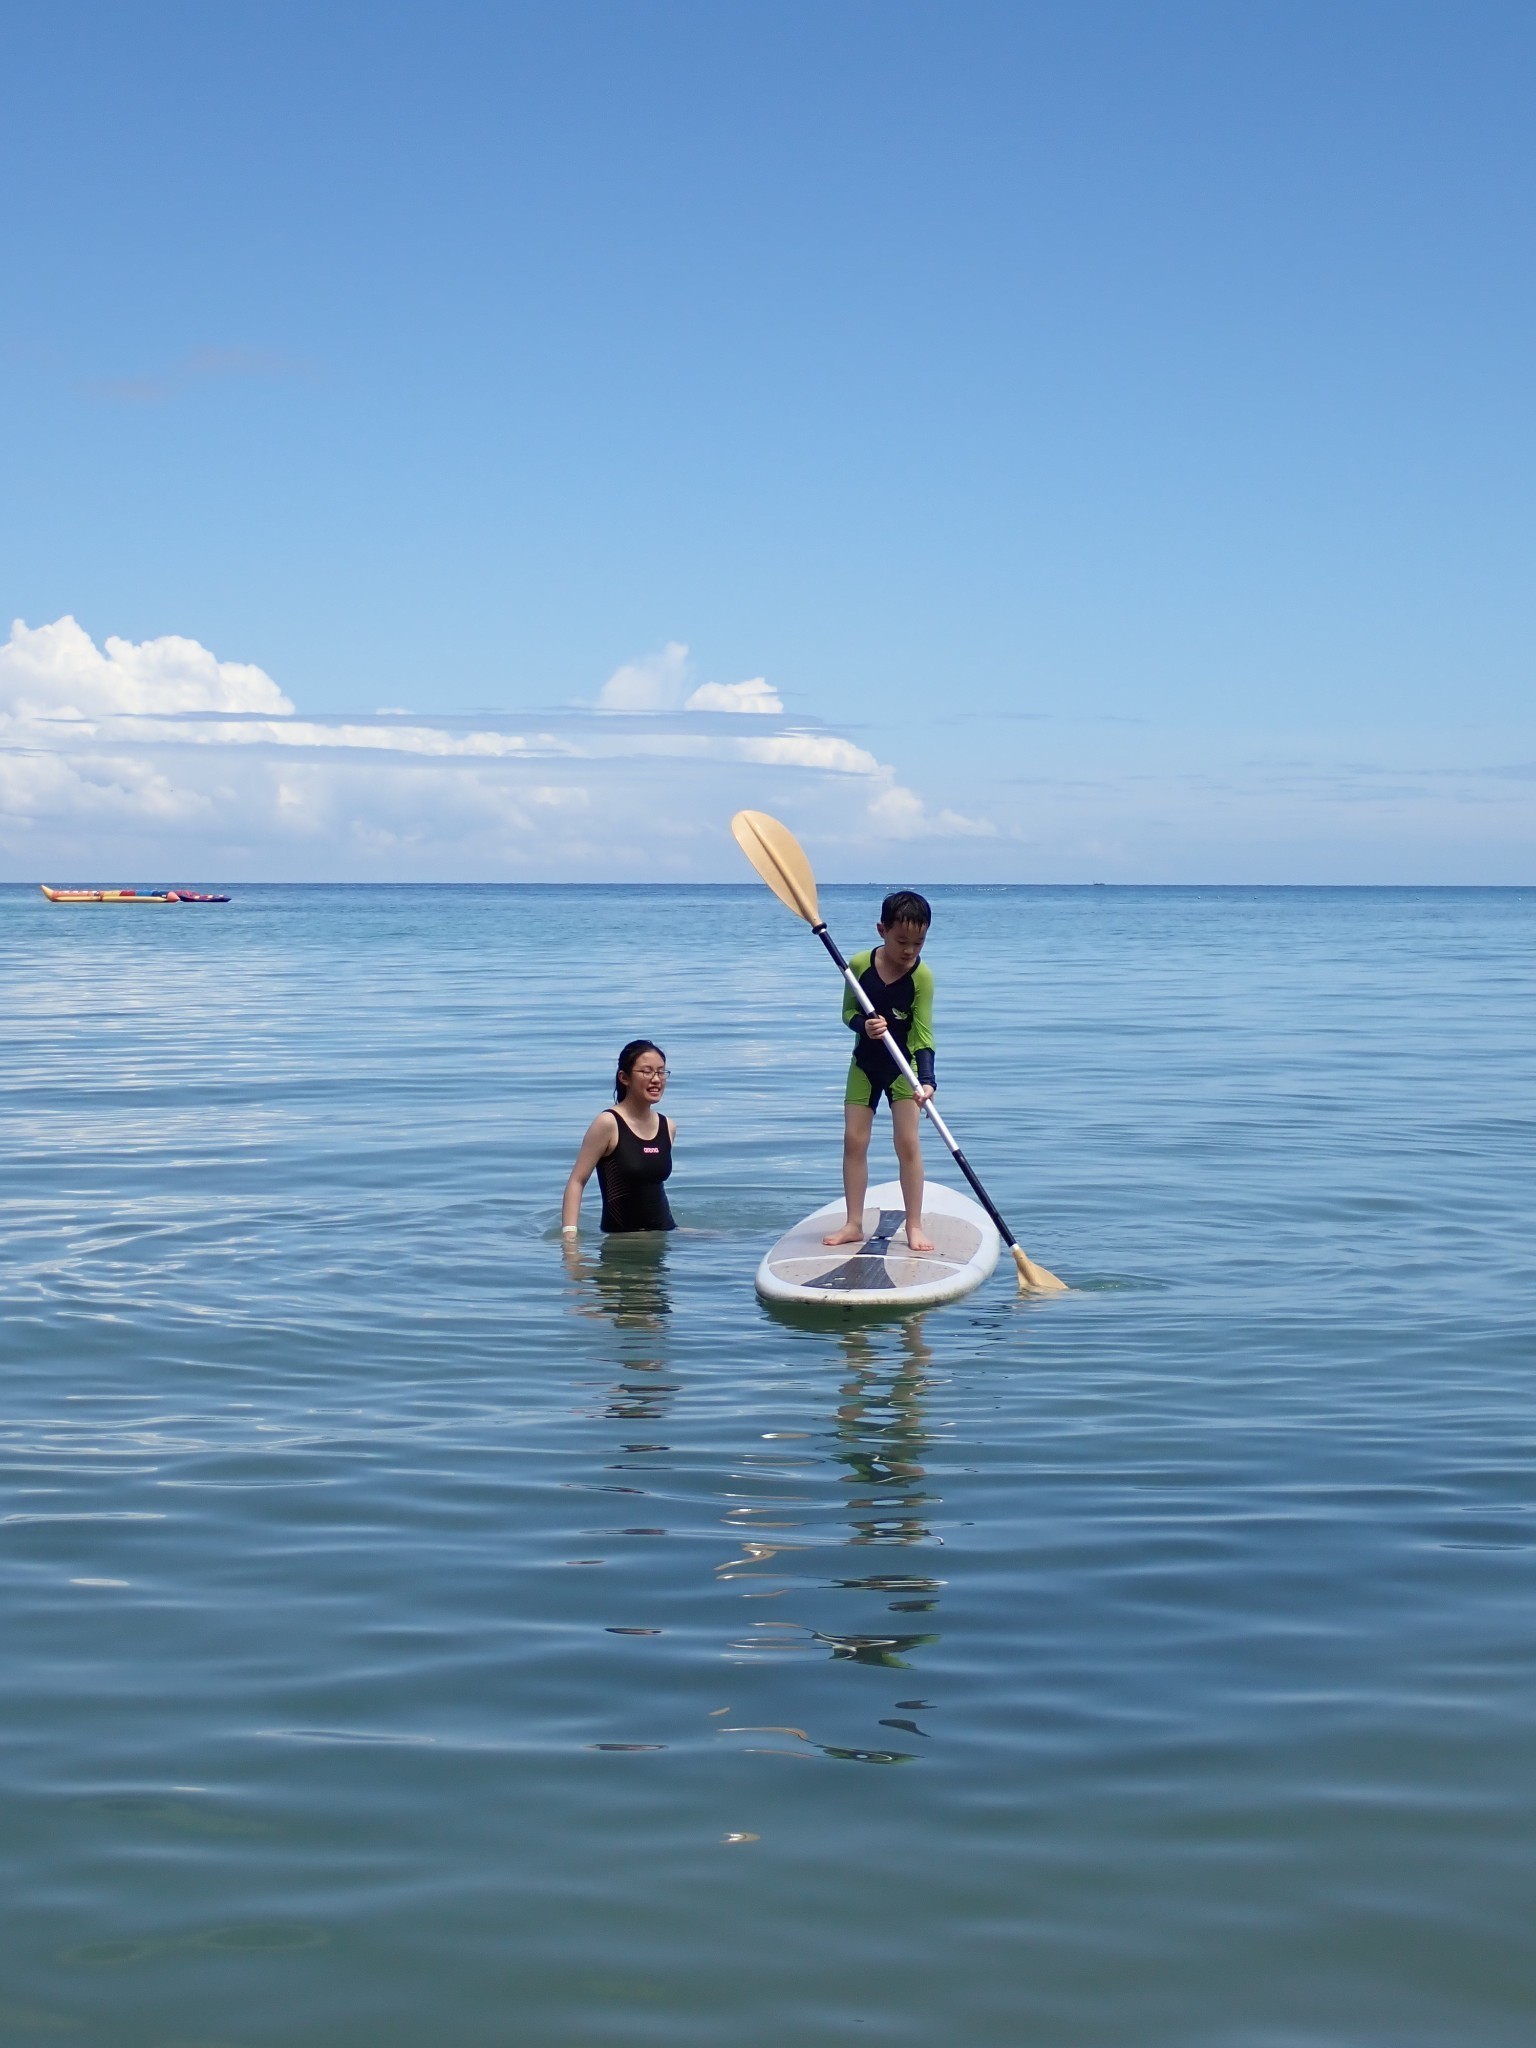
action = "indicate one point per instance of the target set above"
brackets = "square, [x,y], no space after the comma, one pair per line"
[851,1233]
[916,1242]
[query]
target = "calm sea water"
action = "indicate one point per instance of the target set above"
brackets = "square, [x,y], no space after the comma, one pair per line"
[410,1639]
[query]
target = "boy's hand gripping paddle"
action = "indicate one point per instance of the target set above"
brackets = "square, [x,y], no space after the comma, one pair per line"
[779,858]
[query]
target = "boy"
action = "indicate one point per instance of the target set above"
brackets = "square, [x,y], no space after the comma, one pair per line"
[901,988]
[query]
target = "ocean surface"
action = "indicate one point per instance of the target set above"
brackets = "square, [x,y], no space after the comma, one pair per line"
[415,1639]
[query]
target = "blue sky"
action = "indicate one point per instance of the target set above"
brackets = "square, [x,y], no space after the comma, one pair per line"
[1105,429]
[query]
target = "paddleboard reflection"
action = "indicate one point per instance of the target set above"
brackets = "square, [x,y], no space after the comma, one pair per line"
[881,1437]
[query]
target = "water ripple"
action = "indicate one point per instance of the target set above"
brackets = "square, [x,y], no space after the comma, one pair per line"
[408,1628]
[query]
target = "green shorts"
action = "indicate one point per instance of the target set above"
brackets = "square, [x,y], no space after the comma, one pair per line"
[864,1093]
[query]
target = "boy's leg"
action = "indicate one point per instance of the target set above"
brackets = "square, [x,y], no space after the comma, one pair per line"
[906,1128]
[858,1122]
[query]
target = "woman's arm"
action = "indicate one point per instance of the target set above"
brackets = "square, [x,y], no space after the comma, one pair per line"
[602,1136]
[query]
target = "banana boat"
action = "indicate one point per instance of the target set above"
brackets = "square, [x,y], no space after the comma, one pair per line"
[128,895]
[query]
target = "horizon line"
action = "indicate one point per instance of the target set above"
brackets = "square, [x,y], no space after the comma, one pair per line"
[30,884]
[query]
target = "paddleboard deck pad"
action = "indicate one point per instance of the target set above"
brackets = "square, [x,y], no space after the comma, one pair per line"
[881,1272]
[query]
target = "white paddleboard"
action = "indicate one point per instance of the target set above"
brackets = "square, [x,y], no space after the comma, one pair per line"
[881,1272]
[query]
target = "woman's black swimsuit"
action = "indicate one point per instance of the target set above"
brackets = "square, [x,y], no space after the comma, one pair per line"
[631,1179]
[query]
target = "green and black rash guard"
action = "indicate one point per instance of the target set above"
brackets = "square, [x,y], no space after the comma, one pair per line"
[907,1007]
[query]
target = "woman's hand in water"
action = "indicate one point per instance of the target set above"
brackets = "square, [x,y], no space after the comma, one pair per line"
[572,1257]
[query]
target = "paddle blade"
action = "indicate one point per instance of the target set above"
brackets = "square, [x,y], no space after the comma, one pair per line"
[1036,1279]
[776,854]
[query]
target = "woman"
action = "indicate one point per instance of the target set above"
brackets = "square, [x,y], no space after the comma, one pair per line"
[631,1148]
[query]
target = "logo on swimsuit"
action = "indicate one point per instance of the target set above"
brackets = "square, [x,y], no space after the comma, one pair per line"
[651,1148]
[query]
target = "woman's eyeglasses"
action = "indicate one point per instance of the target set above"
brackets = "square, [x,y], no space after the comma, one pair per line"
[650,1074]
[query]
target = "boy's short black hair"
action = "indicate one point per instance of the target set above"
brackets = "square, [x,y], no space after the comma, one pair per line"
[905,906]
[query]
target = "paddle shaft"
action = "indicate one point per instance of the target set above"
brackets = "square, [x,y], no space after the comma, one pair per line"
[904,1066]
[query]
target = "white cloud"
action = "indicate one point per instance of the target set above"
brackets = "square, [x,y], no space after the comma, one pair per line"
[821,750]
[159,760]
[379,739]
[57,671]
[656,684]
[660,683]
[897,811]
[900,813]
[955,825]
[758,695]
[100,788]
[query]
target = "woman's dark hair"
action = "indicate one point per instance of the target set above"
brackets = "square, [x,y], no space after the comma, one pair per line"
[627,1059]
[905,906]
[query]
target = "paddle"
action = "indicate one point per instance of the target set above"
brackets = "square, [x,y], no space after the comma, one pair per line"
[779,858]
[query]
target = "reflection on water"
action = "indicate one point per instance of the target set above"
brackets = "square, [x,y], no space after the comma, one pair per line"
[879,1441]
[627,1281]
[787,1497]
[626,1284]
[881,1437]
